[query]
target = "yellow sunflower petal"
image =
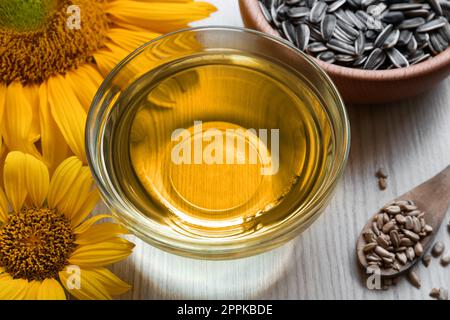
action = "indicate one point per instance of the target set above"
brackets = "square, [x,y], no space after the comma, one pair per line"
[63,178]
[130,40]
[68,114]
[107,59]
[88,205]
[2,100]
[112,283]
[18,120]
[54,147]
[101,254]
[32,95]
[158,16]
[4,209]
[32,290]
[89,288]
[13,289]
[85,81]
[14,179]
[88,223]
[51,289]
[100,232]
[37,180]
[73,200]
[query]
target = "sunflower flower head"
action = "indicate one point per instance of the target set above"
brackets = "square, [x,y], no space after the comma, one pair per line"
[45,234]
[50,72]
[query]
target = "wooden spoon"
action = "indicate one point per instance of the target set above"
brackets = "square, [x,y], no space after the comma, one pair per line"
[432,197]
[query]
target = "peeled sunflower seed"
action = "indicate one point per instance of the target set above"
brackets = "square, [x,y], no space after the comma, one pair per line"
[438,249]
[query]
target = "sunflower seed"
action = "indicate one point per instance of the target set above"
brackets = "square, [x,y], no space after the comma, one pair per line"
[355,20]
[341,47]
[395,238]
[327,27]
[414,279]
[410,254]
[411,235]
[405,37]
[392,209]
[360,61]
[393,17]
[360,43]
[418,249]
[371,35]
[348,30]
[342,16]
[438,249]
[327,56]
[369,247]
[434,293]
[432,25]
[383,35]
[366,3]
[392,39]
[437,42]
[345,58]
[419,13]
[336,5]
[318,11]
[310,3]
[401,256]
[397,58]
[383,252]
[342,36]
[293,2]
[375,59]
[368,235]
[298,12]
[426,260]
[412,23]
[436,6]
[303,35]
[445,260]
[445,31]
[316,47]
[406,242]
[404,6]
[288,31]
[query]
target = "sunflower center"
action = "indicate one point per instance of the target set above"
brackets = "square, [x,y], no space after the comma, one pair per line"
[38,40]
[25,15]
[35,244]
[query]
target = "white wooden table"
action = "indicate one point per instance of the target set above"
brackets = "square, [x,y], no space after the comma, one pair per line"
[410,139]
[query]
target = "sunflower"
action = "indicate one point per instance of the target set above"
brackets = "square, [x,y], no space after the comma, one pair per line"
[49,72]
[47,246]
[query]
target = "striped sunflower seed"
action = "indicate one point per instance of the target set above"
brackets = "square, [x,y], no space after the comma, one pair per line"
[327,27]
[360,44]
[336,5]
[397,59]
[383,35]
[318,12]
[412,23]
[432,25]
[327,56]
[303,35]
[392,39]
[341,47]
[375,59]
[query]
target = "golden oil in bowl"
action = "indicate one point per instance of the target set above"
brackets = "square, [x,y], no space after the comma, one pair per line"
[219,148]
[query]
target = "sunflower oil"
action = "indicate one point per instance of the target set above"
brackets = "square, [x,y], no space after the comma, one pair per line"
[220,144]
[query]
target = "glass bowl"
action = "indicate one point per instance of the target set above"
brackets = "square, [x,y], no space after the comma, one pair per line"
[142,76]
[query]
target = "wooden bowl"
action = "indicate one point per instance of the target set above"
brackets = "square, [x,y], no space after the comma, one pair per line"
[367,86]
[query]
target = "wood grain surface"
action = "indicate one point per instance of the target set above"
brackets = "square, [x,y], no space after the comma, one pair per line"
[410,139]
